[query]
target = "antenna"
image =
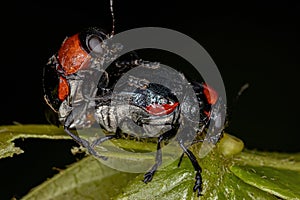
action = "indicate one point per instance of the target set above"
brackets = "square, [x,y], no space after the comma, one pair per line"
[113,18]
[234,103]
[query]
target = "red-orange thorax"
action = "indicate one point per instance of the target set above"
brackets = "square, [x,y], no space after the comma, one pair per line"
[72,56]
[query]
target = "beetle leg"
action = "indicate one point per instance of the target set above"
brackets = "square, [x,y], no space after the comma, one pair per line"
[107,137]
[198,177]
[103,139]
[180,160]
[68,122]
[83,143]
[158,160]
[79,140]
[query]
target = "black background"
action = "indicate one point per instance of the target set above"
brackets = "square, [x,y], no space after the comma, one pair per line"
[251,42]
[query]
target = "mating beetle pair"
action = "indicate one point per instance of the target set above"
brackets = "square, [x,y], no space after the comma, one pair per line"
[152,110]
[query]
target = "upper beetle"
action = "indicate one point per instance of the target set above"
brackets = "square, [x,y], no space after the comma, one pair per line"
[152,105]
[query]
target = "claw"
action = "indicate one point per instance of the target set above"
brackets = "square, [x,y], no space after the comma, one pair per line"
[148,177]
[198,189]
[198,184]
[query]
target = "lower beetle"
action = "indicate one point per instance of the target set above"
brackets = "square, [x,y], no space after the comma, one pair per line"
[153,106]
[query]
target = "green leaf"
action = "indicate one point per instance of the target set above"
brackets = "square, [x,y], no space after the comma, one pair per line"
[86,179]
[172,182]
[9,133]
[229,172]
[271,159]
[276,173]
[177,183]
[279,182]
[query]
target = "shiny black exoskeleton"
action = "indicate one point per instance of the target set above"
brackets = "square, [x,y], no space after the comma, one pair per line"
[140,107]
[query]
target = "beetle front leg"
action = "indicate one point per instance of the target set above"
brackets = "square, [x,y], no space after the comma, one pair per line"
[79,140]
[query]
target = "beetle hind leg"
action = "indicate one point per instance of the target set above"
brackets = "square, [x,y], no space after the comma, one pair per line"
[198,178]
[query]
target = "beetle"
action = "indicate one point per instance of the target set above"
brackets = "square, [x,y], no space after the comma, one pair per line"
[75,103]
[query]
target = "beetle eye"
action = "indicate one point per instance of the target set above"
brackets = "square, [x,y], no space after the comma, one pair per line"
[94,44]
[91,40]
